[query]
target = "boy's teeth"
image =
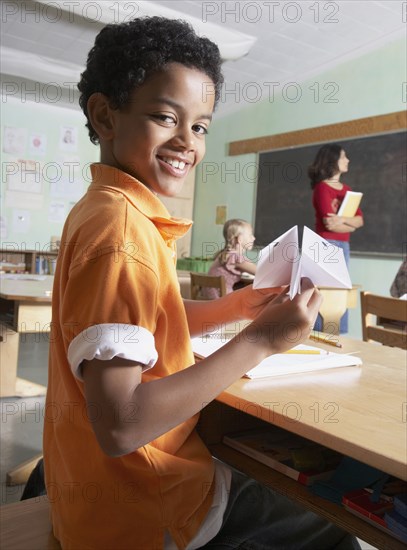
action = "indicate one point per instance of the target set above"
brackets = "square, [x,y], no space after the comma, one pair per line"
[176,163]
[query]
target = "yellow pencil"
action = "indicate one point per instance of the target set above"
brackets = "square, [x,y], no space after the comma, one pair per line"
[305,351]
[325,339]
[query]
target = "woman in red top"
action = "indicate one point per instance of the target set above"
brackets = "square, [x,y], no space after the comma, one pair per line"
[328,193]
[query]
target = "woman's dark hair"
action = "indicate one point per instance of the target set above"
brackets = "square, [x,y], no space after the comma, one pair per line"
[126,54]
[325,164]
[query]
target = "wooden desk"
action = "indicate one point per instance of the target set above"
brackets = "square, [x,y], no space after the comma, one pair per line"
[25,307]
[358,411]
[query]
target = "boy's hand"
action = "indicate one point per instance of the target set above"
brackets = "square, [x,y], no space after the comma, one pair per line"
[252,302]
[284,323]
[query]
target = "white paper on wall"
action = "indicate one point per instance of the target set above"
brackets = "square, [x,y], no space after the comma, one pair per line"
[56,212]
[25,181]
[37,144]
[68,138]
[70,165]
[18,199]
[67,188]
[21,221]
[14,140]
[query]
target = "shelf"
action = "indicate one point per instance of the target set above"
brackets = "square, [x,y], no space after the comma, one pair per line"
[299,493]
[20,261]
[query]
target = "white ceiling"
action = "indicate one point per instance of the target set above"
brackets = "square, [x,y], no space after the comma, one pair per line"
[291,41]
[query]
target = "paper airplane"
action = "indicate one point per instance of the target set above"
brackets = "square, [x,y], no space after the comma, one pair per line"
[283,262]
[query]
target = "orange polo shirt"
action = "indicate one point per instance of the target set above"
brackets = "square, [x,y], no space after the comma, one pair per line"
[116,293]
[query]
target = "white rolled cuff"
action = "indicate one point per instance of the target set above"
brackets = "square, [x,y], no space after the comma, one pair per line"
[110,340]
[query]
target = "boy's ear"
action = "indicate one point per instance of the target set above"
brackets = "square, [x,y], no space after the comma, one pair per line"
[100,116]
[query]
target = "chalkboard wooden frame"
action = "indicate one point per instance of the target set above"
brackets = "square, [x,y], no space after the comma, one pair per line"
[391,122]
[377,148]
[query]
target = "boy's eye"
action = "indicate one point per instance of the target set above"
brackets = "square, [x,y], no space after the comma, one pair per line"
[165,118]
[199,129]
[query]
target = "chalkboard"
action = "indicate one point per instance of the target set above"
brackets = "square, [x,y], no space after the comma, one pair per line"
[377,168]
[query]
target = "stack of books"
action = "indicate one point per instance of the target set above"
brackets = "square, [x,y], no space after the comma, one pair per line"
[296,457]
[388,511]
[396,519]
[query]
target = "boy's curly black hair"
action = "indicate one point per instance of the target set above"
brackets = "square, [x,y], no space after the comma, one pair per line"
[126,54]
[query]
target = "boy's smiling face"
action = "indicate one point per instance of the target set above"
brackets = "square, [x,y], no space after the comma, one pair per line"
[160,134]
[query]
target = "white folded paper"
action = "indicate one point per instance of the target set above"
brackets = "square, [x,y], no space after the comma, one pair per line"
[284,262]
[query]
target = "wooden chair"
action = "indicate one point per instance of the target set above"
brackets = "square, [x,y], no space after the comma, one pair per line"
[26,524]
[391,313]
[201,280]
[8,360]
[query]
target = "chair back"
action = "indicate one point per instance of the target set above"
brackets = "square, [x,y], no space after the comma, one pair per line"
[201,280]
[390,327]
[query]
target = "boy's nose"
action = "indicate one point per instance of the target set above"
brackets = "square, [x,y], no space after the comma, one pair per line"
[184,137]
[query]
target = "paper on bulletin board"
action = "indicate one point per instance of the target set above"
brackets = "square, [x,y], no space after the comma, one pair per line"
[26,178]
[68,138]
[56,212]
[14,140]
[21,221]
[18,199]
[66,188]
[221,215]
[37,144]
[70,164]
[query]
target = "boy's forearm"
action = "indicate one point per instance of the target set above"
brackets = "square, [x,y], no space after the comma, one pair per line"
[131,414]
[208,315]
[160,405]
[165,403]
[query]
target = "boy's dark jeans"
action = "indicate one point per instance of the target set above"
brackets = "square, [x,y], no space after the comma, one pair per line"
[257,518]
[35,485]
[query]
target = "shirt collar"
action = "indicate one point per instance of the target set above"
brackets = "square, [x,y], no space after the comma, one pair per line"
[140,196]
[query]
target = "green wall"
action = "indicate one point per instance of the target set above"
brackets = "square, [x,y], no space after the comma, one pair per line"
[369,85]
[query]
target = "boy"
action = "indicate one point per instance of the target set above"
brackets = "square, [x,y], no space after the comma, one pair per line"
[124,465]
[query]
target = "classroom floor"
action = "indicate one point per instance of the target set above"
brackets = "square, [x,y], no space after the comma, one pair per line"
[21,420]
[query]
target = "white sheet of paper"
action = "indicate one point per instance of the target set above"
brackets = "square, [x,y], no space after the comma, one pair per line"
[21,221]
[282,263]
[282,363]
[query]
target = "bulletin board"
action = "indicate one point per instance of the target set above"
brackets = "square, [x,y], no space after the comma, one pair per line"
[46,154]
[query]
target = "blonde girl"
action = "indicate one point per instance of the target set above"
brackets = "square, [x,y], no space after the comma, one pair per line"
[231,261]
